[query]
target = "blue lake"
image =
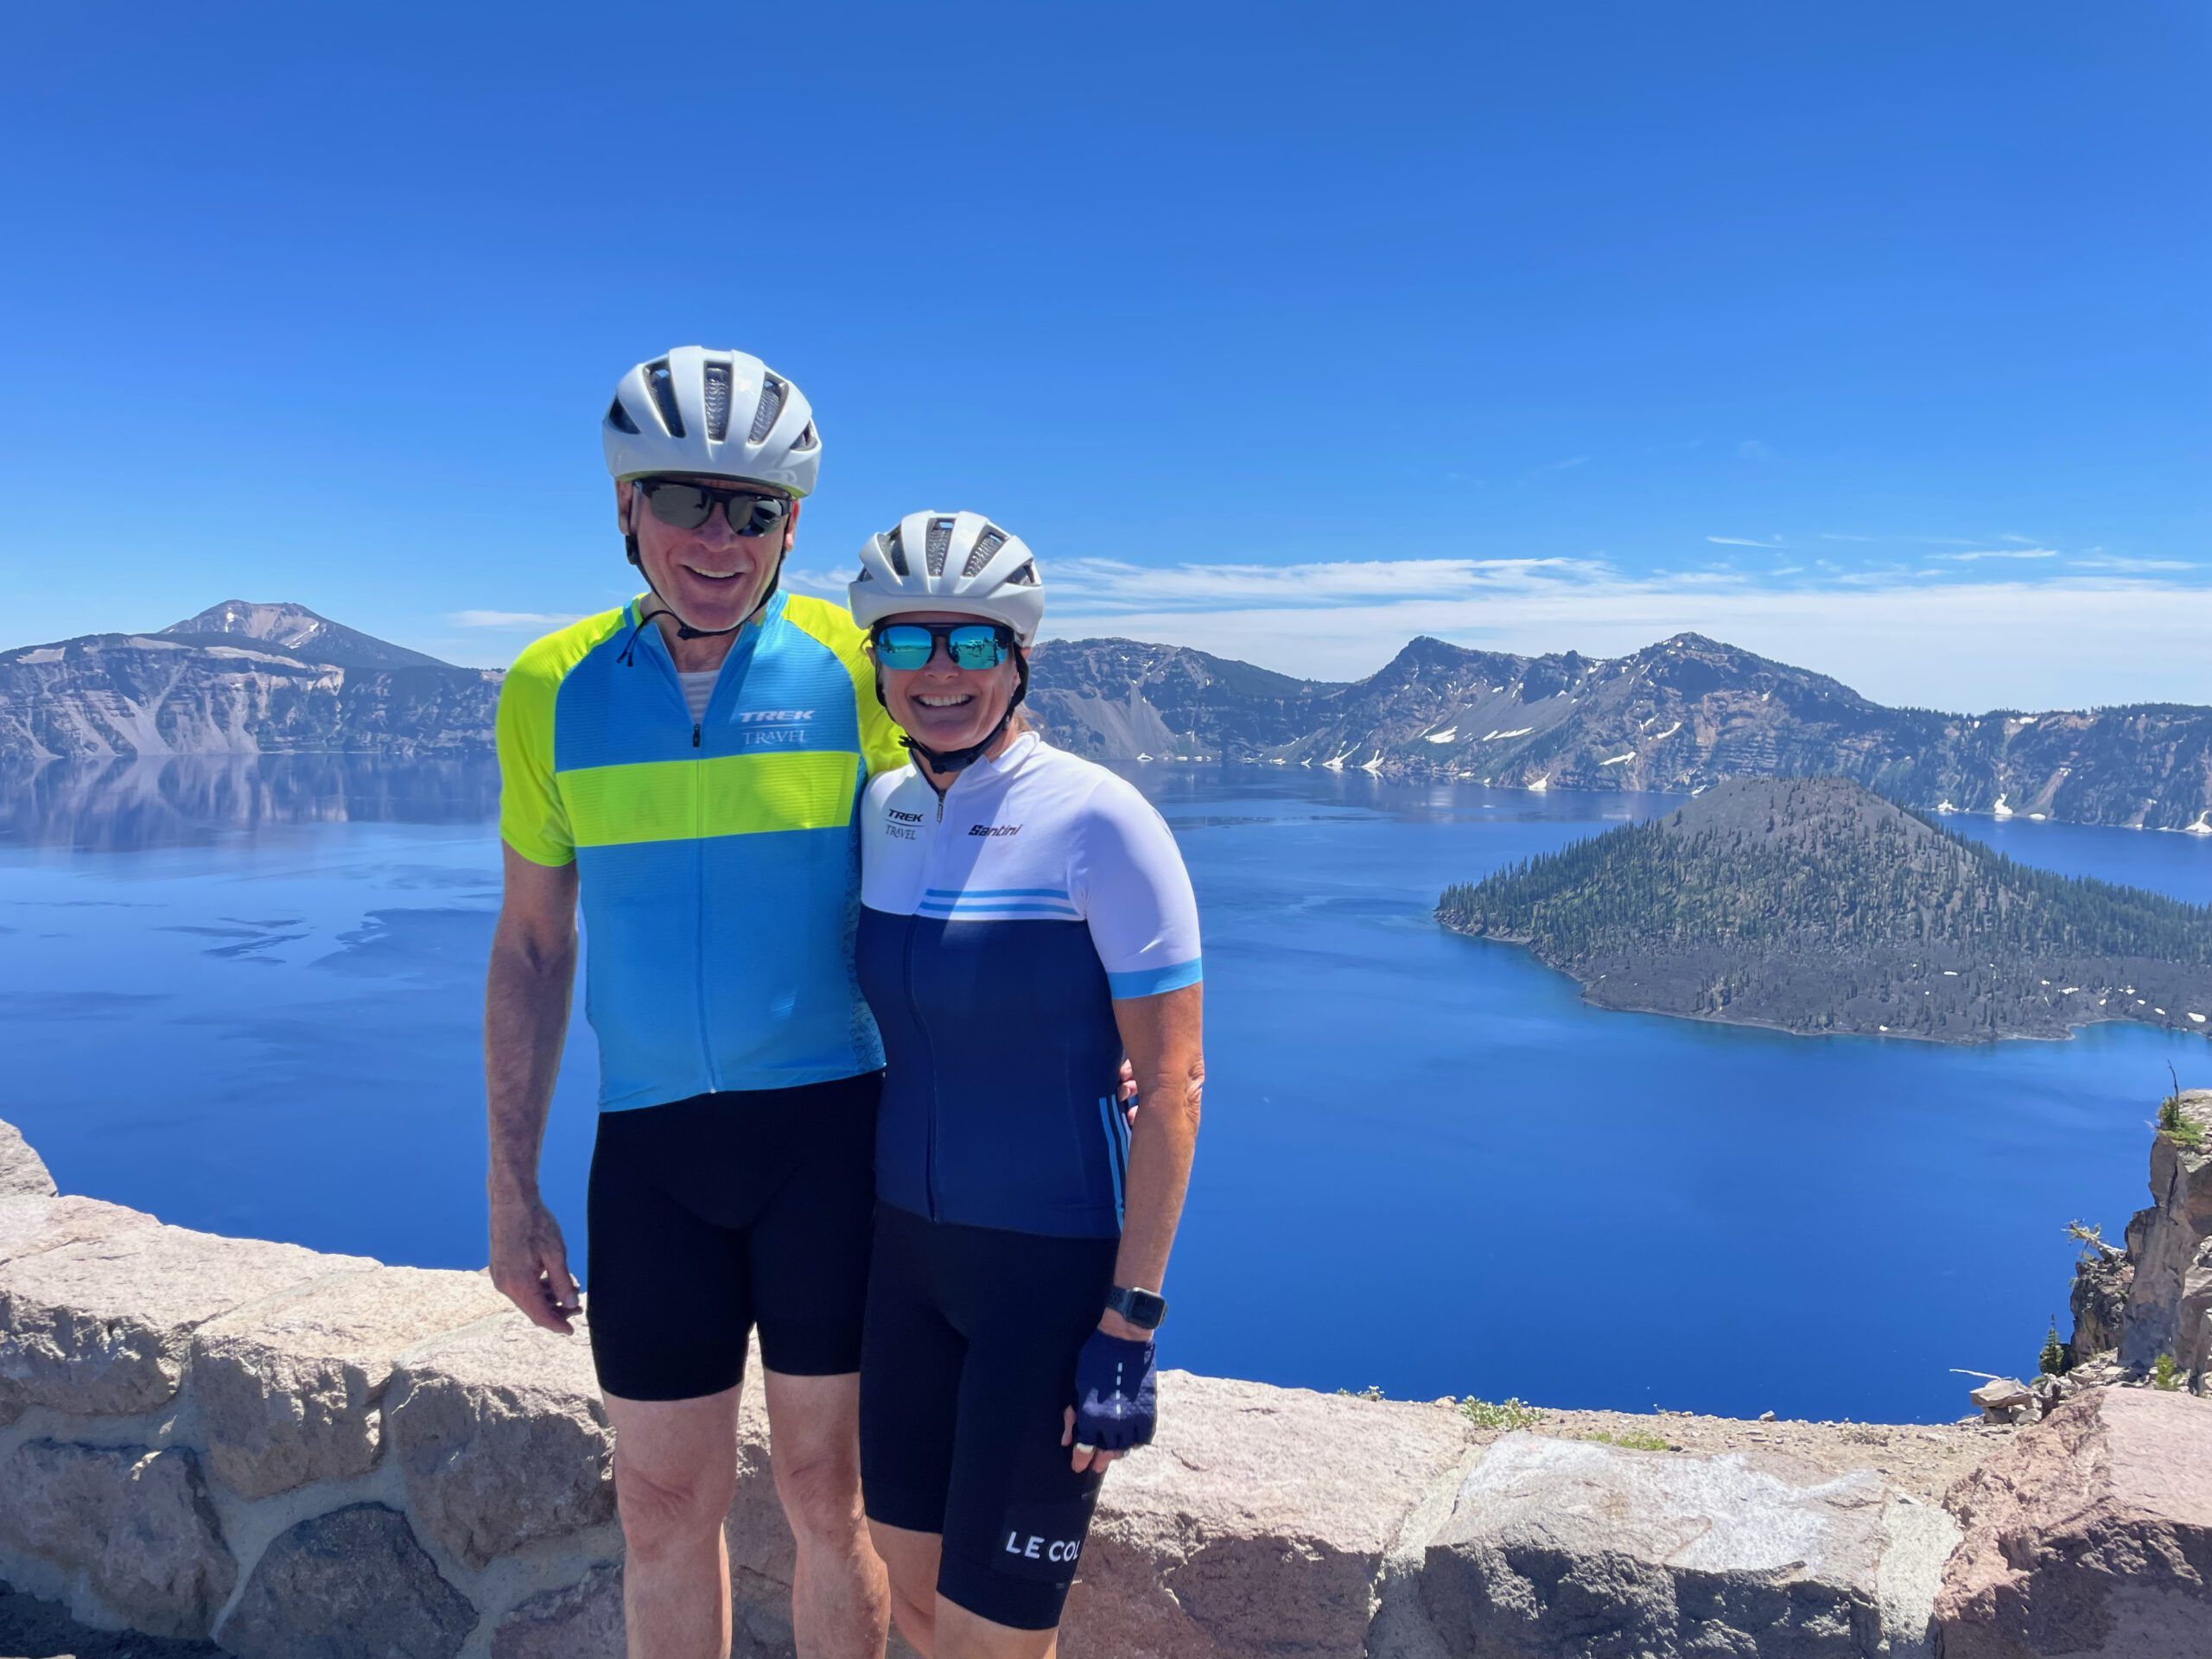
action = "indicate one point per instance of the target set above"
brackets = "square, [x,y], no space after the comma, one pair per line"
[246,996]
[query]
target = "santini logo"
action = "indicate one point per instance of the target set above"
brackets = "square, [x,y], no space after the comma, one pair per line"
[994,829]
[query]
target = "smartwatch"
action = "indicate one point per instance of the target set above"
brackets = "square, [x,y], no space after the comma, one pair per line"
[1142,1308]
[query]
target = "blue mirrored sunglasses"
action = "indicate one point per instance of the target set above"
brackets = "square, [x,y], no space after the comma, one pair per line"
[967,644]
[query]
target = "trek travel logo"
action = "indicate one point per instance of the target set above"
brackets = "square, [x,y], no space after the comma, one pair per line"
[901,826]
[994,829]
[773,729]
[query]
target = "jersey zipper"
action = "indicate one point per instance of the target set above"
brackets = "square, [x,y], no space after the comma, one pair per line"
[929,875]
[698,865]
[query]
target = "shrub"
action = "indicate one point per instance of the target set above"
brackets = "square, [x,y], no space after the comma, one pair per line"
[1503,1414]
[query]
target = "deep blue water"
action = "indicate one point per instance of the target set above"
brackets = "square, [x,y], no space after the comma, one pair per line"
[246,997]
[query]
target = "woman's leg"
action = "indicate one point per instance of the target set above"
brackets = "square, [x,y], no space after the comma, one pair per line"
[1017,1514]
[911,1557]
[911,1359]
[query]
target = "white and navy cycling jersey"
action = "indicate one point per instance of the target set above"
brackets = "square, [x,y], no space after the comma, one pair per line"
[998,924]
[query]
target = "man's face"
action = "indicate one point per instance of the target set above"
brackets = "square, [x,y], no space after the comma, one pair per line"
[712,575]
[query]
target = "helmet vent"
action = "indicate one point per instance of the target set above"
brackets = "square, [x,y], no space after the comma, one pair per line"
[986,544]
[940,543]
[717,402]
[772,404]
[806,439]
[618,418]
[894,549]
[664,390]
[1025,577]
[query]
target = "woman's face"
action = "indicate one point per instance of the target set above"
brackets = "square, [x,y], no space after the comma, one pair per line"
[944,707]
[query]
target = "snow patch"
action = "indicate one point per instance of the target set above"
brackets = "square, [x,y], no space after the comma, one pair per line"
[1444,736]
[1617,758]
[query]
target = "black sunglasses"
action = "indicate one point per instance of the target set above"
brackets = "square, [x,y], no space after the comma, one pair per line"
[967,644]
[687,506]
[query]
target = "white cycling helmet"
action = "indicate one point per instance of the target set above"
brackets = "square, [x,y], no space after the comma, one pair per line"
[714,413]
[949,562]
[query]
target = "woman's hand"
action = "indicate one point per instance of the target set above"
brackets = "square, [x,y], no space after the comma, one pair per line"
[1115,1411]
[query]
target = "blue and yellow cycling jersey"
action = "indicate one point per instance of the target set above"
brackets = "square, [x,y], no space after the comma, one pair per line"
[718,861]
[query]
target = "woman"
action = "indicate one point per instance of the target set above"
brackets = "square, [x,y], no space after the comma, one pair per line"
[1025,921]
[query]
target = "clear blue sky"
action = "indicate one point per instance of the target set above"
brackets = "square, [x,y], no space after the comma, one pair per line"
[1871,337]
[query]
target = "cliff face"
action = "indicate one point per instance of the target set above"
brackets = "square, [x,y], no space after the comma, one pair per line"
[115,694]
[2155,1299]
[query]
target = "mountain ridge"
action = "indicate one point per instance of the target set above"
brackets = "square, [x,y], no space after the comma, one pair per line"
[1679,715]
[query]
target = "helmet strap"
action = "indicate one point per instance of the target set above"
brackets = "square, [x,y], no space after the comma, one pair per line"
[958,760]
[685,630]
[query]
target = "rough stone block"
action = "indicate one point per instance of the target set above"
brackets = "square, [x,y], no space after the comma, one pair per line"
[22,1172]
[135,1519]
[1557,1546]
[2089,1534]
[503,1439]
[350,1584]
[104,1326]
[583,1621]
[30,1225]
[1257,1522]
[290,1391]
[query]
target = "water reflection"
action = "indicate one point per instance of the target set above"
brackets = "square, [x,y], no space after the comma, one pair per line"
[135,805]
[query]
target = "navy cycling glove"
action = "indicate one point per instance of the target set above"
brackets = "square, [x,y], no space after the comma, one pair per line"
[1114,1407]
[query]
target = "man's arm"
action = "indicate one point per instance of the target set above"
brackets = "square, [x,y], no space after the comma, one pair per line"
[526,1019]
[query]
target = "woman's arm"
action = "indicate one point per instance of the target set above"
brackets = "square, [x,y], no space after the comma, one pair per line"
[1162,1035]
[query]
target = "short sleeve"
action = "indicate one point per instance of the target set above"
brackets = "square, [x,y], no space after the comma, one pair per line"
[881,749]
[1130,882]
[533,818]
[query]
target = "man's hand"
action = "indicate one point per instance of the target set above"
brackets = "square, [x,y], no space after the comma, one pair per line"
[530,1263]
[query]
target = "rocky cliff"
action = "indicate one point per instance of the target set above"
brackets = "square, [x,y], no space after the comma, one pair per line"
[2151,1300]
[269,680]
[295,1453]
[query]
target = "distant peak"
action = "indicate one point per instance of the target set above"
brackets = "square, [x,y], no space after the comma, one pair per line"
[295,629]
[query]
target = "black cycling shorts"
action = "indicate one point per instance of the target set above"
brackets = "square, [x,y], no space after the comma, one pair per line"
[712,1215]
[967,1371]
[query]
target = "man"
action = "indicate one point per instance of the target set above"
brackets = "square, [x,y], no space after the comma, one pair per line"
[689,767]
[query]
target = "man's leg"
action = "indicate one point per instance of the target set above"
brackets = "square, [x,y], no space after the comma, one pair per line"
[840,1602]
[674,1474]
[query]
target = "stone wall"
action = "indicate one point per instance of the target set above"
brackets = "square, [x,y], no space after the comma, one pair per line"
[303,1456]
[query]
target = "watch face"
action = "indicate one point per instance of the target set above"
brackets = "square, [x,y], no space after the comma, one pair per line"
[1145,1308]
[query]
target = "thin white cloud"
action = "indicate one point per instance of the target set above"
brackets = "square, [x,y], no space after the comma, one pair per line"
[511,619]
[2119,563]
[2001,553]
[1739,541]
